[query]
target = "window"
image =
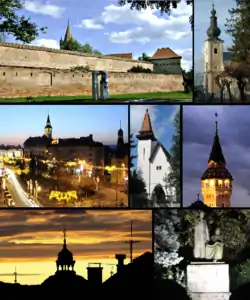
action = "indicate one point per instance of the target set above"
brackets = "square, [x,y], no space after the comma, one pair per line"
[158,167]
[220,183]
[143,153]
[215,51]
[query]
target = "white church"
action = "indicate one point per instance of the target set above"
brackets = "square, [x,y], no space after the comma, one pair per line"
[153,164]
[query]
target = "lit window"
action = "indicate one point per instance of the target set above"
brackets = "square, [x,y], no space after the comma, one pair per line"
[220,183]
[211,182]
[206,183]
[227,183]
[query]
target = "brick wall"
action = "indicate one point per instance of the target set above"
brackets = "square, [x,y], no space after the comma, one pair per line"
[23,82]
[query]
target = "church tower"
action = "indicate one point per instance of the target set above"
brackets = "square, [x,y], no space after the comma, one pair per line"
[213,54]
[48,129]
[217,180]
[146,139]
[67,37]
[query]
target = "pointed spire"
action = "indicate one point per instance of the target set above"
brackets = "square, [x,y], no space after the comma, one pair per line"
[213,31]
[48,123]
[64,238]
[146,124]
[68,34]
[216,154]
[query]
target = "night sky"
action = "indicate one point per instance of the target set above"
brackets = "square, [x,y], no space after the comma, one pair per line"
[198,135]
[31,239]
[68,121]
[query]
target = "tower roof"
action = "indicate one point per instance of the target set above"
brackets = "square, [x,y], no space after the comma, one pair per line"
[216,154]
[48,124]
[146,131]
[68,34]
[213,31]
[65,256]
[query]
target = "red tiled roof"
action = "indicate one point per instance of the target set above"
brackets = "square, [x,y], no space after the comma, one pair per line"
[163,53]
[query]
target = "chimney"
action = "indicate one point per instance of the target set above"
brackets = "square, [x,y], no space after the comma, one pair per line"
[120,258]
[95,274]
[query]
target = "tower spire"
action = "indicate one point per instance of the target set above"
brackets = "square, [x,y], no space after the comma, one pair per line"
[146,131]
[216,124]
[213,31]
[64,238]
[131,242]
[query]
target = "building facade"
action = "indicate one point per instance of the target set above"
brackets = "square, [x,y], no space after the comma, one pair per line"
[153,164]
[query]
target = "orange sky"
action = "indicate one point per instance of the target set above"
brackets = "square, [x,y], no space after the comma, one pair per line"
[31,239]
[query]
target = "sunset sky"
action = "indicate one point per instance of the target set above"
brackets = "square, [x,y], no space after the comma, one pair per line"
[31,239]
[68,121]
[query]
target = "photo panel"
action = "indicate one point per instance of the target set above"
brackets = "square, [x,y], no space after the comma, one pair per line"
[108,51]
[155,151]
[215,156]
[75,251]
[202,254]
[64,156]
[221,47]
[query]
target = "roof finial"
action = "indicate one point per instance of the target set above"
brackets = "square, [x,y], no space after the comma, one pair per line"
[120,124]
[216,124]
[198,197]
[64,237]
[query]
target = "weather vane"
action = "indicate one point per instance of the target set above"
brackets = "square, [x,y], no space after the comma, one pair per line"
[216,123]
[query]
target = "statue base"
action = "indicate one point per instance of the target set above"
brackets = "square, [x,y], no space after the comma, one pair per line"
[208,281]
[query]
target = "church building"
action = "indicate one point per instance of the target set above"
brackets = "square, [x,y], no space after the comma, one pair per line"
[215,59]
[153,164]
[216,182]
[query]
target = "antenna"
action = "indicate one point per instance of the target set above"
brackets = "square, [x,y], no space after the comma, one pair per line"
[131,242]
[20,274]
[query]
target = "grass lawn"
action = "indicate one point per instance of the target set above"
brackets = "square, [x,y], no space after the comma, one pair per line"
[168,95]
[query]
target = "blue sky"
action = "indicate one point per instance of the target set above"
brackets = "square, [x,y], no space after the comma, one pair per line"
[67,121]
[111,28]
[202,11]
[161,116]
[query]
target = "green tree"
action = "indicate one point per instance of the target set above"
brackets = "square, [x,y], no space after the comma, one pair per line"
[163,6]
[173,178]
[238,27]
[131,146]
[19,27]
[144,57]
[74,45]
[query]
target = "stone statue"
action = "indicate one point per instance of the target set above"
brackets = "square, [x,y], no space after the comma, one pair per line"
[201,237]
[214,248]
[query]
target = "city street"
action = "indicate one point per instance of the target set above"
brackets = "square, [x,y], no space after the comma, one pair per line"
[18,194]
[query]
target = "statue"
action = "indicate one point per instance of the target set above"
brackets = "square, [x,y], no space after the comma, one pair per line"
[201,237]
[214,248]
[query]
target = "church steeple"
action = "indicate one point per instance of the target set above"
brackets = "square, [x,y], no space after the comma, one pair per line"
[48,128]
[64,238]
[213,31]
[146,131]
[216,154]
[67,36]
[216,181]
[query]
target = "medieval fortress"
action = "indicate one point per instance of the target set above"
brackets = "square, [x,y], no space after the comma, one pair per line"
[39,71]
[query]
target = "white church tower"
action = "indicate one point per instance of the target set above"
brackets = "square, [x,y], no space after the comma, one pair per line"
[153,164]
[213,54]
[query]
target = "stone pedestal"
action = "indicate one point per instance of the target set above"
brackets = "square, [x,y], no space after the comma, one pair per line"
[208,281]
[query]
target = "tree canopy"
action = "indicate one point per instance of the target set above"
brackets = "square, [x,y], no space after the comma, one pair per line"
[20,27]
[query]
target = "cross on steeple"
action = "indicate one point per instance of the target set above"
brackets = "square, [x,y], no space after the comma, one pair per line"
[131,242]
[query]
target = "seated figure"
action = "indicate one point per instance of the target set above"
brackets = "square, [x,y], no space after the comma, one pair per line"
[214,248]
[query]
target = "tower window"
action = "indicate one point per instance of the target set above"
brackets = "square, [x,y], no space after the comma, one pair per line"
[143,153]
[220,183]
[227,183]
[215,51]
[211,182]
[158,167]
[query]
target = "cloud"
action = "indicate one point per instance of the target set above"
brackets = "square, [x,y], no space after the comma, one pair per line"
[89,24]
[38,234]
[44,8]
[146,25]
[48,43]
[198,134]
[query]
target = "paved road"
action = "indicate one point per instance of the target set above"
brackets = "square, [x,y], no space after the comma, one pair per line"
[18,194]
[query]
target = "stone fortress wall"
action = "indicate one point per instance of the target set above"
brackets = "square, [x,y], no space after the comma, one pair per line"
[35,71]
